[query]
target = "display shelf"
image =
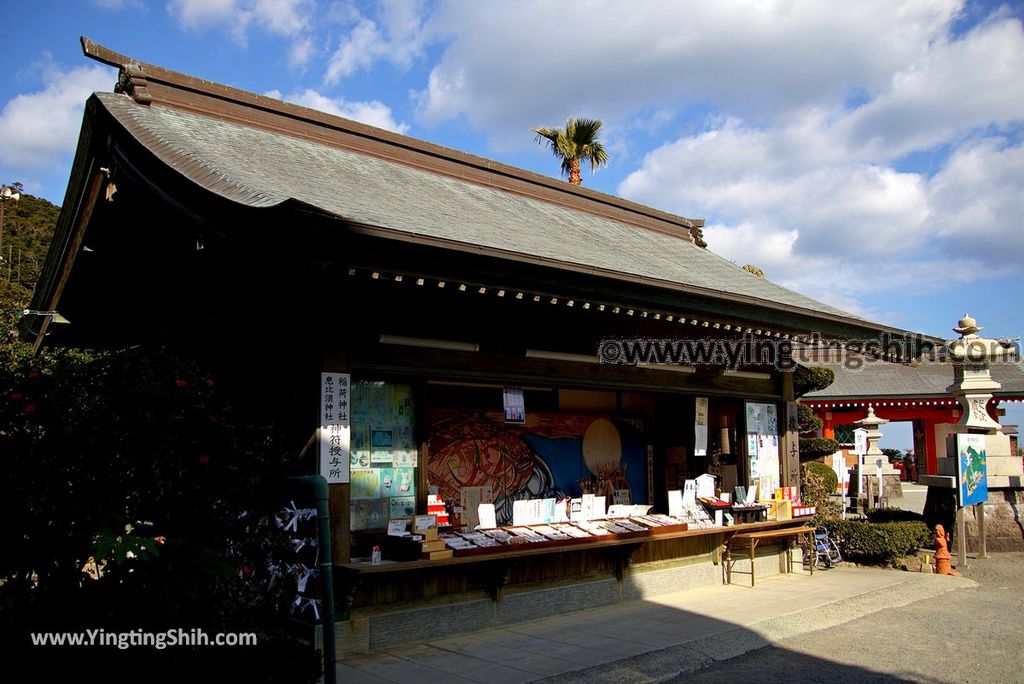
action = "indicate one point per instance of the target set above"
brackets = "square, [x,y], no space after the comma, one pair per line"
[508,552]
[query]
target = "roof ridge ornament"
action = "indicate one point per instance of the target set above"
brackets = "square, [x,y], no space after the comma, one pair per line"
[131,80]
[697,232]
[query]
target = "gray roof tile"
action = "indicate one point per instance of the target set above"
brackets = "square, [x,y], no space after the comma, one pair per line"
[865,378]
[260,168]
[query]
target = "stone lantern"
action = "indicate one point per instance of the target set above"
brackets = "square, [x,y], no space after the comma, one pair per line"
[973,386]
[871,423]
[972,381]
[874,456]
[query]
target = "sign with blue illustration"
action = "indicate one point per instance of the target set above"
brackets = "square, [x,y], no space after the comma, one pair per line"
[972,473]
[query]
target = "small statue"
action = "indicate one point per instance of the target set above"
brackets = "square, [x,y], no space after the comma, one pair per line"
[942,556]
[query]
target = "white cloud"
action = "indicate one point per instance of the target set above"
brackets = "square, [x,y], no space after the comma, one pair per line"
[363,45]
[745,175]
[819,198]
[117,5]
[278,17]
[978,202]
[955,87]
[201,14]
[301,52]
[40,129]
[513,65]
[372,113]
[846,280]
[750,243]
[395,36]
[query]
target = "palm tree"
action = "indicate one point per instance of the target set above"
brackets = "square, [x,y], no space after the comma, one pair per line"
[575,143]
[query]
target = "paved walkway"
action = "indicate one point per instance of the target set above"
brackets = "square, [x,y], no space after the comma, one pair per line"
[650,640]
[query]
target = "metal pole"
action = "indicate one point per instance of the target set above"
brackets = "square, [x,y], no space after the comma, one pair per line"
[326,567]
[982,541]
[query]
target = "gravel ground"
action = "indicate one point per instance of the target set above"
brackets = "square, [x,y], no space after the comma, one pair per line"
[969,635]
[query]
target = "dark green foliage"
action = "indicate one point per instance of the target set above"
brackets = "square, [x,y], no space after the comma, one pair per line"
[139,495]
[893,454]
[823,471]
[135,493]
[818,484]
[884,544]
[27,230]
[816,447]
[884,515]
[811,379]
[808,422]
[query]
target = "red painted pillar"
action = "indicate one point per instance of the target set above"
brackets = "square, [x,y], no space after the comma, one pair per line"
[929,443]
[828,430]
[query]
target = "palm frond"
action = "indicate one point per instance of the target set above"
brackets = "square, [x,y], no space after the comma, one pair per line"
[576,142]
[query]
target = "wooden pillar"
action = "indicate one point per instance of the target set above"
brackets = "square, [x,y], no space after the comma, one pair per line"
[790,446]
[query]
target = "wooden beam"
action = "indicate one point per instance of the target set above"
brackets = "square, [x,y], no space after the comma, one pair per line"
[74,244]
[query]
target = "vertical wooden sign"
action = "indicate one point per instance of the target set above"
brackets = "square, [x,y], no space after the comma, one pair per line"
[335,430]
[791,453]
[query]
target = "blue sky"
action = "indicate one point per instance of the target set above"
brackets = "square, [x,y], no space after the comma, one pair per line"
[868,154]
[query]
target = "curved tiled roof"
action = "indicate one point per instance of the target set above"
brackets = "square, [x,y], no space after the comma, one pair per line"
[258,167]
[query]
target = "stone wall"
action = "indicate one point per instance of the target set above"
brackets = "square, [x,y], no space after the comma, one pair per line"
[1004,518]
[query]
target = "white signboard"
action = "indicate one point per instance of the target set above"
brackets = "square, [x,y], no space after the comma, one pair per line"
[690,493]
[515,405]
[488,519]
[840,469]
[399,527]
[470,498]
[860,441]
[763,447]
[700,427]
[706,485]
[675,503]
[335,433]
[522,512]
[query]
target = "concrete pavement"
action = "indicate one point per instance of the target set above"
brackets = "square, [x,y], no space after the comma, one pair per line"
[654,639]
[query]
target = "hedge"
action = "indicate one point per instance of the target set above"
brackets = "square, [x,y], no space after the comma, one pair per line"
[873,543]
[818,446]
[812,379]
[887,515]
[824,471]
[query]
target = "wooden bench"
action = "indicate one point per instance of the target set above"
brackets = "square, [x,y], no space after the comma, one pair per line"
[752,539]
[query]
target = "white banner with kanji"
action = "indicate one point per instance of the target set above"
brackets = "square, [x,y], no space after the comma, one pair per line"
[335,396]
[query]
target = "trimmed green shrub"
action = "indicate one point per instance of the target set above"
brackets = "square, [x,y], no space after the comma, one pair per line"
[872,543]
[811,379]
[823,471]
[885,515]
[816,447]
[806,420]
[818,484]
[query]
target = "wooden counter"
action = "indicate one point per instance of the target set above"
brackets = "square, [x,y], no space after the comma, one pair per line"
[364,585]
